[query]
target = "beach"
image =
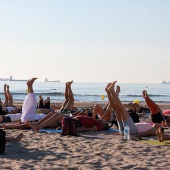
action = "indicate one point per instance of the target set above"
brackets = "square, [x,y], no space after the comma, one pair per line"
[91,150]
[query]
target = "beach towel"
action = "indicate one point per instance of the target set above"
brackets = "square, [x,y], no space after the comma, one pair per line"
[50,130]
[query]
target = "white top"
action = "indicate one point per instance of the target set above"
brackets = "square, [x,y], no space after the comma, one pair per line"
[10,108]
[15,117]
[29,108]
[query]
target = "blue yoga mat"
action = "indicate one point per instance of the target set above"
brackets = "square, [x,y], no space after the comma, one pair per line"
[59,131]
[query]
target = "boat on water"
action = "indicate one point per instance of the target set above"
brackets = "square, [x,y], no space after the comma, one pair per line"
[46,80]
[3,79]
[11,79]
[165,82]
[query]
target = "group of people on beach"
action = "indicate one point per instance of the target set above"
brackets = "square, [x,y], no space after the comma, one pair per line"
[31,115]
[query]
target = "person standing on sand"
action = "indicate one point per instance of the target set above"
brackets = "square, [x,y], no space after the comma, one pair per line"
[123,117]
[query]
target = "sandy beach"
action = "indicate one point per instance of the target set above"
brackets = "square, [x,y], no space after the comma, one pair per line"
[94,150]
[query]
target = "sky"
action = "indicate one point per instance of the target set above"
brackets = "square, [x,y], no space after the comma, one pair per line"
[85,40]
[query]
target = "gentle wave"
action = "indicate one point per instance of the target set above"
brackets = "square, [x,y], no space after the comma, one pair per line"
[89,92]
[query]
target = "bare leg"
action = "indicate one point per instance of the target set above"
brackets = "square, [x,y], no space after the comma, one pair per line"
[106,105]
[70,103]
[117,90]
[122,116]
[112,103]
[29,84]
[49,115]
[24,125]
[52,122]
[161,136]
[5,95]
[14,139]
[66,97]
[10,98]
[150,132]
[16,126]
[97,110]
[150,103]
[107,114]
[2,105]
[165,124]
[118,103]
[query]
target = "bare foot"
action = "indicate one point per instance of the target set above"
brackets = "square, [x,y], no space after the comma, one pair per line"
[4,87]
[158,136]
[161,134]
[19,137]
[117,90]
[112,86]
[144,93]
[7,88]
[29,82]
[33,125]
[108,85]
[70,82]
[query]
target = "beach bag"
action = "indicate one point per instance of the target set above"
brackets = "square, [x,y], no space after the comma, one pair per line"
[2,141]
[69,127]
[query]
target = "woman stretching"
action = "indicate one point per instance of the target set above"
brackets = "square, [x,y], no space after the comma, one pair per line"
[123,117]
[156,113]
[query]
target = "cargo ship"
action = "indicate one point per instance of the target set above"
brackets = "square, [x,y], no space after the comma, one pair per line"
[46,80]
[165,82]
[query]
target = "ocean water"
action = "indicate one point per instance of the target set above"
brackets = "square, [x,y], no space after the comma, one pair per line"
[87,92]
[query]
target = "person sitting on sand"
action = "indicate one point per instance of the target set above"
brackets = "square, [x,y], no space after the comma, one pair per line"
[156,113]
[123,117]
[161,136]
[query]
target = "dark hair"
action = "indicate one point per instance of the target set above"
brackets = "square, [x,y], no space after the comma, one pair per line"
[109,125]
[106,125]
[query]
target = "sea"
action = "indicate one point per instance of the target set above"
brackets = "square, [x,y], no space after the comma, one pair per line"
[87,92]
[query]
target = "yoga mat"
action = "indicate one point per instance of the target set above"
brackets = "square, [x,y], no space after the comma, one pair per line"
[59,131]
[50,130]
[111,130]
[155,142]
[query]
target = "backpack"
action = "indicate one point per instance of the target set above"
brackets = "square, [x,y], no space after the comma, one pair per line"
[69,127]
[2,141]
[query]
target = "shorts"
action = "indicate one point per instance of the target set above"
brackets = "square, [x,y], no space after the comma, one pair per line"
[158,117]
[6,118]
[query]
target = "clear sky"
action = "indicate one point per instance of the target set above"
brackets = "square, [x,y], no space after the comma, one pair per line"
[86,40]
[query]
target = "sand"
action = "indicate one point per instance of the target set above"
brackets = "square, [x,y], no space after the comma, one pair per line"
[53,151]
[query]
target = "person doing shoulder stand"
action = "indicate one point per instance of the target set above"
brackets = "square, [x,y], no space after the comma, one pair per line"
[123,117]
